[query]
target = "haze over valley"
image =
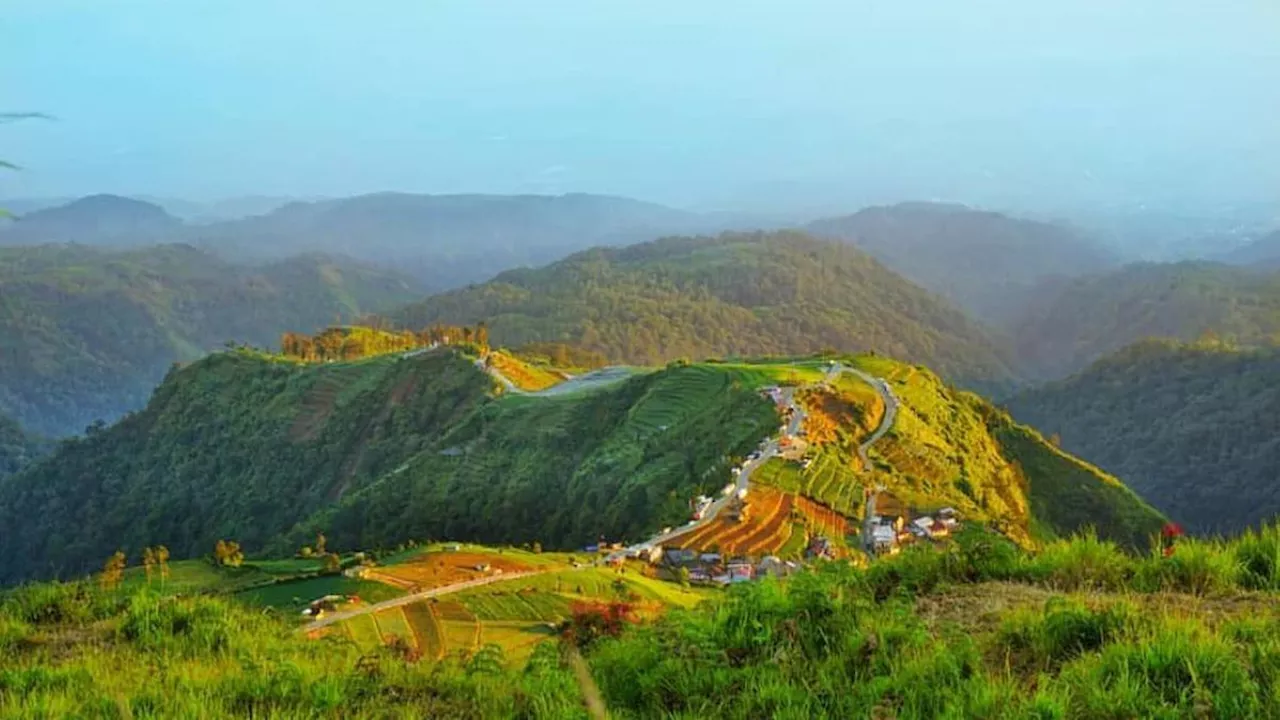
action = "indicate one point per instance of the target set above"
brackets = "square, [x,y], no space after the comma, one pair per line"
[663,359]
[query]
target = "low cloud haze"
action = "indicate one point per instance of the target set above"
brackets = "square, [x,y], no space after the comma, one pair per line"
[796,106]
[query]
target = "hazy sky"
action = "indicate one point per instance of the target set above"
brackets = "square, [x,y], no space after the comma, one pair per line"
[692,102]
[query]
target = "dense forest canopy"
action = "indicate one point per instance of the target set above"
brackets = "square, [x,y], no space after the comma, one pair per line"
[1068,329]
[1194,428]
[986,263]
[734,295]
[85,333]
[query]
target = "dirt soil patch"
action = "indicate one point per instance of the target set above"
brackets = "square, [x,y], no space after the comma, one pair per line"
[437,569]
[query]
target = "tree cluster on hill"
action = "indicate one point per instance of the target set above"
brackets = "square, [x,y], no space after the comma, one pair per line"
[357,342]
[987,263]
[17,448]
[1070,327]
[85,334]
[1193,428]
[734,295]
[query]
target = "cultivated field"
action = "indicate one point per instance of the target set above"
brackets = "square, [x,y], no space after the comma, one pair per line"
[432,569]
[765,528]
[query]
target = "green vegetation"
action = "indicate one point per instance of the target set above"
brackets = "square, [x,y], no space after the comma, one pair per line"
[245,447]
[17,448]
[738,294]
[620,461]
[236,447]
[1069,328]
[86,334]
[948,447]
[974,628]
[267,452]
[1192,427]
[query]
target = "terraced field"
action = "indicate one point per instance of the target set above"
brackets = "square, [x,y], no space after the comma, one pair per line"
[765,528]
[525,376]
[823,519]
[677,395]
[321,399]
[515,615]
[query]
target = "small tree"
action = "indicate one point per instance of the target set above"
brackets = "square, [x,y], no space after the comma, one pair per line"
[149,562]
[683,574]
[332,563]
[162,561]
[306,551]
[113,571]
[537,546]
[227,553]
[321,542]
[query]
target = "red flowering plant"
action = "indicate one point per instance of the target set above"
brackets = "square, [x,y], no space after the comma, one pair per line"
[1169,538]
[588,622]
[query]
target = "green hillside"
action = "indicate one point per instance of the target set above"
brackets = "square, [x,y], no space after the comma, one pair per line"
[779,293]
[1194,428]
[1068,328]
[86,334]
[949,447]
[269,451]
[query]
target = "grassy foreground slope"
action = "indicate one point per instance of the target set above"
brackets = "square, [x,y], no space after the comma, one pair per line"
[782,293]
[975,629]
[1192,427]
[86,334]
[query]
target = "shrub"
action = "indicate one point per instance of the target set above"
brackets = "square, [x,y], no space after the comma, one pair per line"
[1061,631]
[1082,563]
[1195,566]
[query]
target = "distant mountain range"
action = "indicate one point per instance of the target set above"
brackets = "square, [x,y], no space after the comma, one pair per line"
[1263,253]
[104,220]
[987,263]
[87,333]
[776,293]
[1195,429]
[1066,328]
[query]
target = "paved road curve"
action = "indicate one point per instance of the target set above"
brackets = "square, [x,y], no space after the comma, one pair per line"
[415,597]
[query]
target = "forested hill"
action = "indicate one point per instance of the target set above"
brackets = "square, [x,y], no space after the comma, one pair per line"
[17,448]
[266,451]
[1193,428]
[734,295]
[86,333]
[987,263]
[1261,253]
[1067,330]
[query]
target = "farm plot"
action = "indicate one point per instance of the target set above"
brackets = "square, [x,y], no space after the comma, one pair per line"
[426,629]
[437,569]
[766,514]
[823,519]
[363,632]
[392,623]
[529,378]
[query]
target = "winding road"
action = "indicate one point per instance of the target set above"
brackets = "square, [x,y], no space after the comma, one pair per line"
[768,449]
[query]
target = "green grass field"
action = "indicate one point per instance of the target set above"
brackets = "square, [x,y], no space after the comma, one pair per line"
[296,594]
[426,629]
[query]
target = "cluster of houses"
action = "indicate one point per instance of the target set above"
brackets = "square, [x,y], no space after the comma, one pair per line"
[889,532]
[714,569]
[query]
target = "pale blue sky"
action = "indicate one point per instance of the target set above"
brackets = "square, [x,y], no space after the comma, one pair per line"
[689,102]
